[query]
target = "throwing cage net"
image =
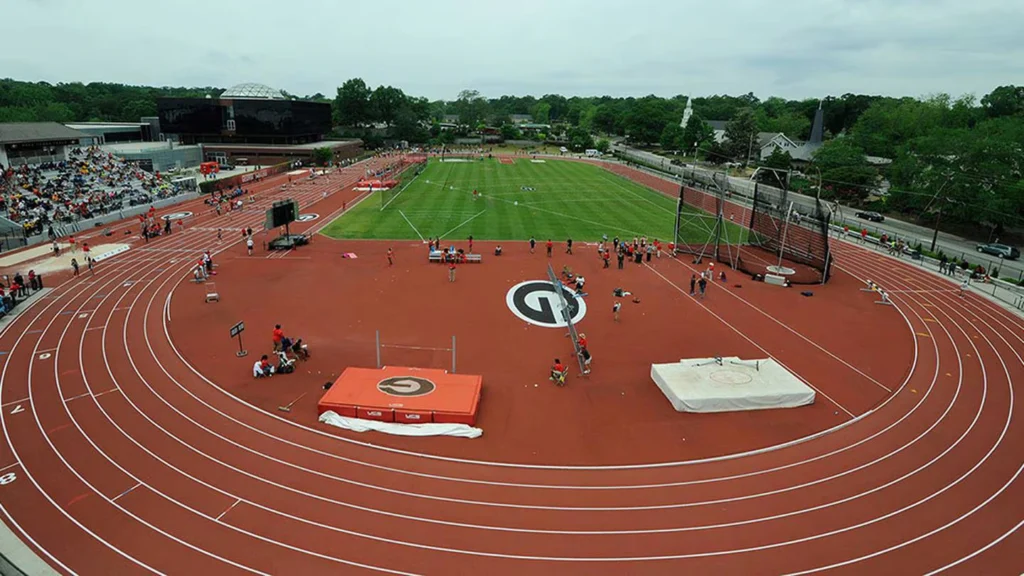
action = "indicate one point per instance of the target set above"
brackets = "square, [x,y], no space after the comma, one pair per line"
[756,230]
[407,170]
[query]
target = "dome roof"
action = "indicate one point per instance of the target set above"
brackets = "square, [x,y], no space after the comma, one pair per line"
[253,91]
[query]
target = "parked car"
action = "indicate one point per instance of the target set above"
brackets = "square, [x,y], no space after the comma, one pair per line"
[1000,250]
[872,216]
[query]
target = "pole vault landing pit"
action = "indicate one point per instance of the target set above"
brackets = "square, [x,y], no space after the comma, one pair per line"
[730,385]
[404,395]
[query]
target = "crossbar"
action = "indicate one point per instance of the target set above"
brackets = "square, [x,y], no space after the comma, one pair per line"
[378,345]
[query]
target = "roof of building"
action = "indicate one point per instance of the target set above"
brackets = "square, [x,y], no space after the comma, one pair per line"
[17,132]
[716,124]
[253,91]
[334,144]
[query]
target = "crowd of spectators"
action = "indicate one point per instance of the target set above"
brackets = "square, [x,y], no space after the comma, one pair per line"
[15,289]
[90,183]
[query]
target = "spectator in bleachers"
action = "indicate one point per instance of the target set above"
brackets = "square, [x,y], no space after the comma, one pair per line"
[89,183]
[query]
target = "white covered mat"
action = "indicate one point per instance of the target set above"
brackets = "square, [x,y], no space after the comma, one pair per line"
[730,384]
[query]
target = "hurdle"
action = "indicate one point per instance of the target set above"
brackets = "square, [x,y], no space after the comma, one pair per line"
[883,295]
[380,346]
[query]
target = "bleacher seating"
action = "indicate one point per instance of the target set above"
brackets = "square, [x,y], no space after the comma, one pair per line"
[89,183]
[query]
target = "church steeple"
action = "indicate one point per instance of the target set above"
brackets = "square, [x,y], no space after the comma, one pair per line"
[818,128]
[687,112]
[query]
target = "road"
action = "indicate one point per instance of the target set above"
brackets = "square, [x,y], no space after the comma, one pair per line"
[952,245]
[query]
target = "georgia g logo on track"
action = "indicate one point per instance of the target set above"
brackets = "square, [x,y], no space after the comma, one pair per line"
[177,216]
[406,386]
[536,302]
[307,217]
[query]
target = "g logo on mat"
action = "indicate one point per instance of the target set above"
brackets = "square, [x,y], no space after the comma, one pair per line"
[536,302]
[406,386]
[307,217]
[177,216]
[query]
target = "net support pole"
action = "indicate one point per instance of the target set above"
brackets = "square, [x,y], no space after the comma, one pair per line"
[453,354]
[378,350]
[785,230]
[679,215]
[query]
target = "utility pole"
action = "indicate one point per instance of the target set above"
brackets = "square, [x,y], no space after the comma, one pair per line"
[938,217]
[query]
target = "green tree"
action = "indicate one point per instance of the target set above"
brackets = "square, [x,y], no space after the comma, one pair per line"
[602,145]
[352,103]
[579,139]
[741,135]
[845,173]
[1004,101]
[510,132]
[541,113]
[323,156]
[471,107]
[775,170]
[672,137]
[384,104]
[696,133]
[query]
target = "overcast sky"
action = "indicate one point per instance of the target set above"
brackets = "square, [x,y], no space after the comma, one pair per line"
[435,48]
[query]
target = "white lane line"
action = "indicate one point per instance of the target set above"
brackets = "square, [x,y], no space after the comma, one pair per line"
[126,492]
[230,508]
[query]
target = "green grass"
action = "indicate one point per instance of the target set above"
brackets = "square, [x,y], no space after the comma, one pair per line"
[570,200]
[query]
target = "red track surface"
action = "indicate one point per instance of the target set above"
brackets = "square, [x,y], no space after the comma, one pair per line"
[124,458]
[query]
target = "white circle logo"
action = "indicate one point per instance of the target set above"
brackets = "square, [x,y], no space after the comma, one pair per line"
[177,216]
[307,217]
[536,302]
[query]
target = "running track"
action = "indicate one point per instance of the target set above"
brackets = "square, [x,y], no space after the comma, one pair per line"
[119,458]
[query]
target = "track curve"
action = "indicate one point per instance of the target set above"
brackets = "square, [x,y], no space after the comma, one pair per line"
[124,458]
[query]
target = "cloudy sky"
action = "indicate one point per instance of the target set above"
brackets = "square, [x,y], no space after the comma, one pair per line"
[435,48]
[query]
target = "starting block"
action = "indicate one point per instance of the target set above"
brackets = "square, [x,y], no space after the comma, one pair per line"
[211,292]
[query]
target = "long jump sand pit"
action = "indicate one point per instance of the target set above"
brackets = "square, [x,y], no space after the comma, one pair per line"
[41,259]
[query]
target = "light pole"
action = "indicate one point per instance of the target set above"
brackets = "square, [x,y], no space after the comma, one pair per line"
[938,217]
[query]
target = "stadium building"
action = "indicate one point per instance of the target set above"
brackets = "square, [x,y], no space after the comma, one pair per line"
[252,124]
[36,142]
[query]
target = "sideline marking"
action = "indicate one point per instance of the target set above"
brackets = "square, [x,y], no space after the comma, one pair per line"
[6,404]
[413,227]
[77,499]
[9,466]
[107,392]
[76,397]
[463,224]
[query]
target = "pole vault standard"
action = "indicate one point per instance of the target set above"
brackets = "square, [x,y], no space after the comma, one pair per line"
[382,345]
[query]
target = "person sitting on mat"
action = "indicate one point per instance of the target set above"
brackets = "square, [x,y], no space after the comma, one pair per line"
[262,368]
[558,373]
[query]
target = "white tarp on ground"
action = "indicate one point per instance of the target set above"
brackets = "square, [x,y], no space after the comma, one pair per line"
[359,425]
[730,384]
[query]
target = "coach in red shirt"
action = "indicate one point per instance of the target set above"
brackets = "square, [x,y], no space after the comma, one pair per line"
[278,337]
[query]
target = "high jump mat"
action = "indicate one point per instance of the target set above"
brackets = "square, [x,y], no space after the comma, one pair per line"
[404,395]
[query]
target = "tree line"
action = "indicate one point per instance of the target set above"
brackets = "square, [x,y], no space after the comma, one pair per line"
[958,159]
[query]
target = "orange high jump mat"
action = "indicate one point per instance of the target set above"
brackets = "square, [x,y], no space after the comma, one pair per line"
[404,395]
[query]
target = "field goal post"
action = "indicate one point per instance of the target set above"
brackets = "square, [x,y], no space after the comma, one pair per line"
[573,335]
[380,346]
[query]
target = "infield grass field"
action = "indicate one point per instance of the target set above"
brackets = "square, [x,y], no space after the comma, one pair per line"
[562,200]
